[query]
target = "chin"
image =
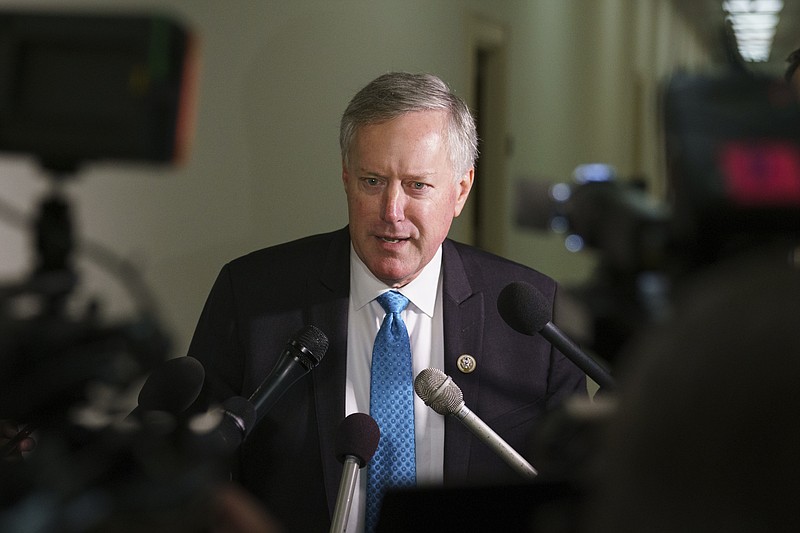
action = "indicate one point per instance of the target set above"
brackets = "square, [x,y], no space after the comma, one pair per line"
[391,277]
[391,280]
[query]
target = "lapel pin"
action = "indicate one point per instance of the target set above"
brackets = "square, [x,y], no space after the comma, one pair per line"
[466,363]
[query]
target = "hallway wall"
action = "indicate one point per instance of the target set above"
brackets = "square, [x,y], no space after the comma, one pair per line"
[583,81]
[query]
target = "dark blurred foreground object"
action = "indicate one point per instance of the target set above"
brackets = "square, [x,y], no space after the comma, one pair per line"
[733,162]
[705,436]
[733,156]
[78,87]
[534,507]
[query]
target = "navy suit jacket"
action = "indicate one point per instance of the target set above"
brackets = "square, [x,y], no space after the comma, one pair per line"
[260,300]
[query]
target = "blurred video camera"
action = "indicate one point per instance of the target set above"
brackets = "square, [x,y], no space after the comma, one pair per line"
[733,166]
[75,88]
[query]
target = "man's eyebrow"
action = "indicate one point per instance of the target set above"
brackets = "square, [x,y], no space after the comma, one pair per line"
[418,176]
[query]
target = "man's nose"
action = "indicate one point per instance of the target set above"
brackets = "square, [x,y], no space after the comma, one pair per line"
[393,203]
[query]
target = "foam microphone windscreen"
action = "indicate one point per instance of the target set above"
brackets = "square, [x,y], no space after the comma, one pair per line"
[357,435]
[173,386]
[524,307]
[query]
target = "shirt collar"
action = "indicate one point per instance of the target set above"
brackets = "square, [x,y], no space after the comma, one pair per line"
[421,291]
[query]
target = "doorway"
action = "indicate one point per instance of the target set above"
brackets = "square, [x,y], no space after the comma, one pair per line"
[487,214]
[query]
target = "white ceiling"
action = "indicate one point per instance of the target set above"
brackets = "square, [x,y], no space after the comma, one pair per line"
[710,20]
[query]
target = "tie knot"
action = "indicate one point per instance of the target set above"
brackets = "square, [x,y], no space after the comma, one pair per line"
[392,301]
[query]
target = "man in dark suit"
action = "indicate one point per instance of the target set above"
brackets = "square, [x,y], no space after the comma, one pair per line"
[408,150]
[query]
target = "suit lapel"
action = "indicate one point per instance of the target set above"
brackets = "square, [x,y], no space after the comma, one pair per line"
[329,297]
[463,317]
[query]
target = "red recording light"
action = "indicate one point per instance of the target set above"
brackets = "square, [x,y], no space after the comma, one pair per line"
[761,174]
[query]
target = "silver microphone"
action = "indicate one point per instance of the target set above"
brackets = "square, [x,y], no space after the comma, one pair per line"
[441,394]
[356,441]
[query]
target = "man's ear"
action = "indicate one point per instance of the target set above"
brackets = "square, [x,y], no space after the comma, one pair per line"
[345,175]
[463,187]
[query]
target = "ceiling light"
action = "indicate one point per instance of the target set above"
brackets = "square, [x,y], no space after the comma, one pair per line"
[754,23]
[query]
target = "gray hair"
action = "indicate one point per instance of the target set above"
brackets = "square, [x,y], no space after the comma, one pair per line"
[397,93]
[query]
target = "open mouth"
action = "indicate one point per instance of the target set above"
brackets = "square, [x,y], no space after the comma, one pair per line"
[390,240]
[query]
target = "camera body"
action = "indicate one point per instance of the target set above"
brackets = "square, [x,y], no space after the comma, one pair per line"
[732,146]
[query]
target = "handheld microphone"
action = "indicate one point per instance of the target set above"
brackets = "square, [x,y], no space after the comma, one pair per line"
[356,441]
[220,430]
[441,394]
[172,387]
[238,415]
[526,309]
[303,352]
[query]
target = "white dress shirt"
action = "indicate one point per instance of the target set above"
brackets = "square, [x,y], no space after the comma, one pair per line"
[423,319]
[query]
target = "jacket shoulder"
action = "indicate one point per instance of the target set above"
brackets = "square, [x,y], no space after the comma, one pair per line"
[292,256]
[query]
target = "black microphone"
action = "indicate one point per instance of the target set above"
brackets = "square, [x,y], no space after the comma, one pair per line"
[172,387]
[526,309]
[356,441]
[238,415]
[441,394]
[220,430]
[303,352]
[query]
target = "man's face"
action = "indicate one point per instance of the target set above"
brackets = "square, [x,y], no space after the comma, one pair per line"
[402,194]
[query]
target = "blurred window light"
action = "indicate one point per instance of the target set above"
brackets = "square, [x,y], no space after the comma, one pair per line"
[754,23]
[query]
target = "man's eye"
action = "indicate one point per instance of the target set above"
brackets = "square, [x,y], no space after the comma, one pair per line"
[418,185]
[371,181]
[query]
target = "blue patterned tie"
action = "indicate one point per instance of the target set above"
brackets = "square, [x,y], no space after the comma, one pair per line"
[391,404]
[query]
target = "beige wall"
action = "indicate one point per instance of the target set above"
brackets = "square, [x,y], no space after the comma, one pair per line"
[582,82]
